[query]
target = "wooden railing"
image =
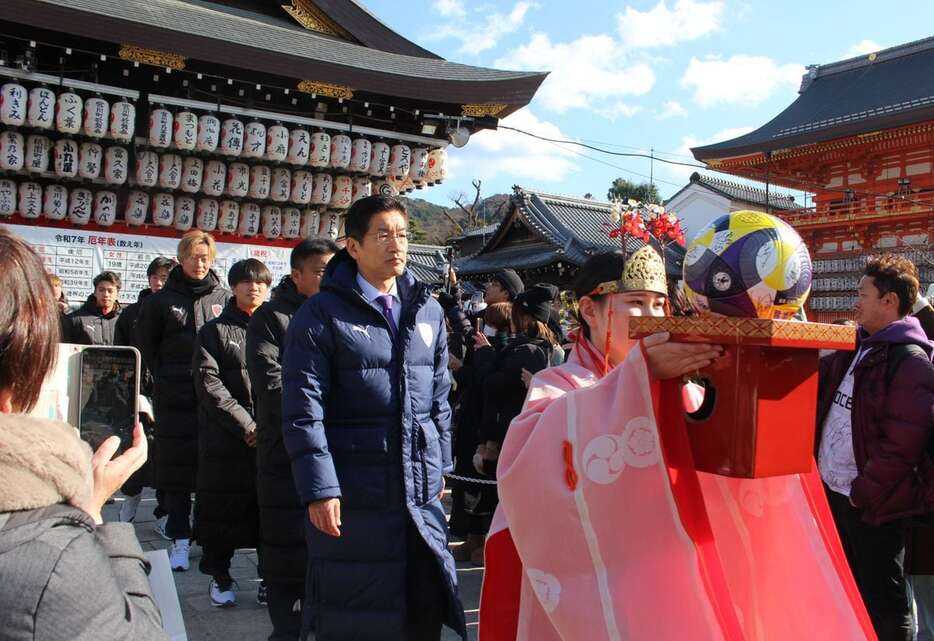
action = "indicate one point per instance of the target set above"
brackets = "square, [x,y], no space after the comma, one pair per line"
[865,209]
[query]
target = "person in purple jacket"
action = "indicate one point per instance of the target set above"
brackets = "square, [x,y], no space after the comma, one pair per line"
[875,414]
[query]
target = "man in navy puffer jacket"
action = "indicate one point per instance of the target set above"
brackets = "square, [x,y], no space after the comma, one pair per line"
[366,423]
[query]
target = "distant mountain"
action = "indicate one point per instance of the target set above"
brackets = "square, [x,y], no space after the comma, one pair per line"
[438,228]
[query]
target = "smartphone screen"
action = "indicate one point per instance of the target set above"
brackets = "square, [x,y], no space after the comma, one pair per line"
[108,394]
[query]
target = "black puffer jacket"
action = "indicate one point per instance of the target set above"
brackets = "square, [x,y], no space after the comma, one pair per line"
[125,334]
[225,510]
[168,323]
[88,326]
[282,515]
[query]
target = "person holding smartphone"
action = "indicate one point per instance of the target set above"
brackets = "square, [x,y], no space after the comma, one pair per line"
[226,509]
[66,574]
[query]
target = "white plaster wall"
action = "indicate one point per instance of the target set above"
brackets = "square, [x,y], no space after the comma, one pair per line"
[696,207]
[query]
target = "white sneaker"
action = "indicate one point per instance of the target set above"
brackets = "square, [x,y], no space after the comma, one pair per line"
[128,508]
[159,528]
[222,597]
[178,555]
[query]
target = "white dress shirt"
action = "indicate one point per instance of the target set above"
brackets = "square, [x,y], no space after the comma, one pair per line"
[371,293]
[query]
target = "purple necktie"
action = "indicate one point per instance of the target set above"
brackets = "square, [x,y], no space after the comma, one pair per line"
[385,301]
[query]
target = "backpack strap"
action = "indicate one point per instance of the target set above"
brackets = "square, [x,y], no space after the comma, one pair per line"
[897,354]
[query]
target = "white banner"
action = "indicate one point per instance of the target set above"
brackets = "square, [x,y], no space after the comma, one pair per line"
[77,256]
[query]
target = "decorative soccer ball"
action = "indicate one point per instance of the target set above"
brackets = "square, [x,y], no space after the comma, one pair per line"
[750,264]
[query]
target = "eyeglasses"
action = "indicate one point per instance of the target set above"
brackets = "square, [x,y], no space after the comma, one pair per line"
[384,237]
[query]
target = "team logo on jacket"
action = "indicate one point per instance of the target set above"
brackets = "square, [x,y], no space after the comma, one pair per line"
[179,312]
[217,309]
[427,333]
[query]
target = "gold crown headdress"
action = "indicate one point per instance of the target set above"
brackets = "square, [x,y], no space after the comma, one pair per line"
[644,272]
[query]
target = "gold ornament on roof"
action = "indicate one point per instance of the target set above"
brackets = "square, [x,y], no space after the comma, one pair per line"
[152,57]
[325,89]
[644,272]
[483,109]
[307,16]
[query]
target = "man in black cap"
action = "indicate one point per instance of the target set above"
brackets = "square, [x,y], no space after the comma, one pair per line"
[503,287]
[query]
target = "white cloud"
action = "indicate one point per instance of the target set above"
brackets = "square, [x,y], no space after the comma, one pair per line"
[671,109]
[585,73]
[740,79]
[680,173]
[494,154]
[661,26]
[618,109]
[450,8]
[477,36]
[862,48]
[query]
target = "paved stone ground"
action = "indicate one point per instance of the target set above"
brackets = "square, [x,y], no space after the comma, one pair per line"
[249,621]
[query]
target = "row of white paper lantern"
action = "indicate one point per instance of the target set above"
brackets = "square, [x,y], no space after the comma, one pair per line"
[67,112]
[69,159]
[80,206]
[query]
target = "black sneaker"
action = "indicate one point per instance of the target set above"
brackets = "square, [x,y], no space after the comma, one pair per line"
[261,593]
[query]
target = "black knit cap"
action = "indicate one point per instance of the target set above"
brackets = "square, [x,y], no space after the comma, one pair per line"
[510,281]
[536,302]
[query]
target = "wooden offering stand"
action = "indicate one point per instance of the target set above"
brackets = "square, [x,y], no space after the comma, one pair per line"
[760,402]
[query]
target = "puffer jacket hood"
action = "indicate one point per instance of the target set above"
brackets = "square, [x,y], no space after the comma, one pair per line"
[287,292]
[905,331]
[178,282]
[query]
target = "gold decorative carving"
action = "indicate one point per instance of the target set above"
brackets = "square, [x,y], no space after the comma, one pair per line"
[325,89]
[304,14]
[483,109]
[152,57]
[745,331]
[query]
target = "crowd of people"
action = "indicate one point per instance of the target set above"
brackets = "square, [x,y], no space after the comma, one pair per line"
[320,419]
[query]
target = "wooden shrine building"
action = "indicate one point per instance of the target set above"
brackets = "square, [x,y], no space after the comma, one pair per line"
[860,137]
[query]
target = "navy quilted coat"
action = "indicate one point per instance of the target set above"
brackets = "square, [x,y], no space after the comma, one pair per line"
[366,419]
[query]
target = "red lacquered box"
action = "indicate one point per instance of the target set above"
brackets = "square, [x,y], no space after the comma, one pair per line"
[759,410]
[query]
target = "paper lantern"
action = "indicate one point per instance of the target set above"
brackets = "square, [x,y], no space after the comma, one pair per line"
[418,169]
[361,189]
[30,200]
[311,219]
[341,147]
[260,180]
[41,114]
[399,159]
[291,222]
[137,206]
[272,221]
[379,160]
[324,185]
[80,202]
[281,185]
[7,197]
[170,171]
[229,217]
[163,210]
[147,168]
[343,192]
[360,155]
[122,121]
[105,208]
[160,127]
[38,151]
[320,154]
[207,214]
[185,134]
[90,159]
[231,140]
[65,158]
[116,165]
[277,143]
[215,178]
[299,147]
[330,225]
[96,117]
[238,179]
[12,151]
[397,184]
[55,202]
[437,166]
[192,174]
[254,143]
[302,186]
[209,128]
[68,113]
[249,219]
[13,104]
[184,213]
[408,185]
[384,188]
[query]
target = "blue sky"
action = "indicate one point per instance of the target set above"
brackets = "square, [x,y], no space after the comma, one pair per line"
[637,75]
